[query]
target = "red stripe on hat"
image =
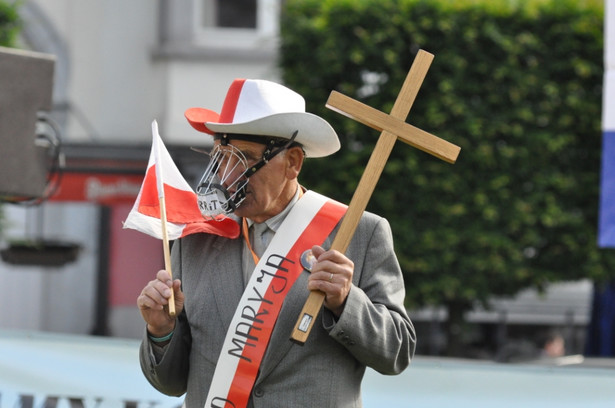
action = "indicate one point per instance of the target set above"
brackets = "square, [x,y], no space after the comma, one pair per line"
[231,101]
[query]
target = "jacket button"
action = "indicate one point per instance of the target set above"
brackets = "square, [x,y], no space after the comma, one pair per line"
[259,392]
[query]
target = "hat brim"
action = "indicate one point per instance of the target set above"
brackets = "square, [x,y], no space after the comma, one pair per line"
[315,134]
[197,117]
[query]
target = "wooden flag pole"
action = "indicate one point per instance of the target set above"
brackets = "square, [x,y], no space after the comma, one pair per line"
[392,126]
[163,210]
[167,252]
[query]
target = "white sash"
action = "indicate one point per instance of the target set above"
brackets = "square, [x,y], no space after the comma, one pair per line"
[309,222]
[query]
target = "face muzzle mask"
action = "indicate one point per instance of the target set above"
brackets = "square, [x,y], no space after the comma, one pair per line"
[222,188]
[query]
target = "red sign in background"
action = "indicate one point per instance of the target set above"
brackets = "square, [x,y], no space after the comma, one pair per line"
[97,187]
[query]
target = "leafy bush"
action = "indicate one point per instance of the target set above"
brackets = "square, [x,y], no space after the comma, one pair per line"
[517,85]
[8,32]
[9,23]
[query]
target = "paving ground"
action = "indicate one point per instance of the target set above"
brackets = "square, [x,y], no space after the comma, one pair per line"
[42,369]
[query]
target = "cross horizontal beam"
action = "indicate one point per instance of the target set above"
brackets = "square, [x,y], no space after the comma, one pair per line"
[405,132]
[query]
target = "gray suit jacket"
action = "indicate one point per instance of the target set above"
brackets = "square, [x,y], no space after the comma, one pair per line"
[374,330]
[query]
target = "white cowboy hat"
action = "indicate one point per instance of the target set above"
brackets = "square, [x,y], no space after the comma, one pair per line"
[263,108]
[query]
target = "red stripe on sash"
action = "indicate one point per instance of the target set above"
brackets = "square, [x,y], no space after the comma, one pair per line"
[316,232]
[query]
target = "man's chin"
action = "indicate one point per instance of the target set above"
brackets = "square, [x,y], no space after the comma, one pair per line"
[243,211]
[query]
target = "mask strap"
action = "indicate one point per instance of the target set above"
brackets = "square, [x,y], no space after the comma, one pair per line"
[269,154]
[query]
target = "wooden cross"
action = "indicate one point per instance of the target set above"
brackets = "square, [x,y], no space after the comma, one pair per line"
[392,127]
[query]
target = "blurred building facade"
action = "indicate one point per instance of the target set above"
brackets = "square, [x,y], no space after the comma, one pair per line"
[119,65]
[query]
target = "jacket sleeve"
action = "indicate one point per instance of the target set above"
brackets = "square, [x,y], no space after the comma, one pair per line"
[167,369]
[374,325]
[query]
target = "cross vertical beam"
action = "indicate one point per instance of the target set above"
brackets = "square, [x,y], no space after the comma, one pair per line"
[392,127]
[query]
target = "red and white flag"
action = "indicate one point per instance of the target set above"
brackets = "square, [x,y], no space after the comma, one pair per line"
[163,179]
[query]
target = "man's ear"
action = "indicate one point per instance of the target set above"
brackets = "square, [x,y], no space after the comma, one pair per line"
[294,160]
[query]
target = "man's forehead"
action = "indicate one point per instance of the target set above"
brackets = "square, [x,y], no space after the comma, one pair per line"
[250,150]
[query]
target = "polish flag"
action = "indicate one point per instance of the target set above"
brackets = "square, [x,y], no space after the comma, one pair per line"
[163,180]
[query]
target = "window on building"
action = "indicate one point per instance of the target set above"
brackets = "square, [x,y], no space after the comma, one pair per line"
[236,23]
[229,14]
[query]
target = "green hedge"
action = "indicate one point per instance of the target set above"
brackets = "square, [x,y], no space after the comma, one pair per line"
[516,84]
[9,28]
[9,24]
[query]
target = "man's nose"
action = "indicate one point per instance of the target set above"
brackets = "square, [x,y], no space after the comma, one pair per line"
[231,174]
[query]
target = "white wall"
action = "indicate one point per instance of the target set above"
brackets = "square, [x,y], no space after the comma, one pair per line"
[121,79]
[113,84]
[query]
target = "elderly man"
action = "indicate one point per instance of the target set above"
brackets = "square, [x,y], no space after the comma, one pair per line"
[237,300]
